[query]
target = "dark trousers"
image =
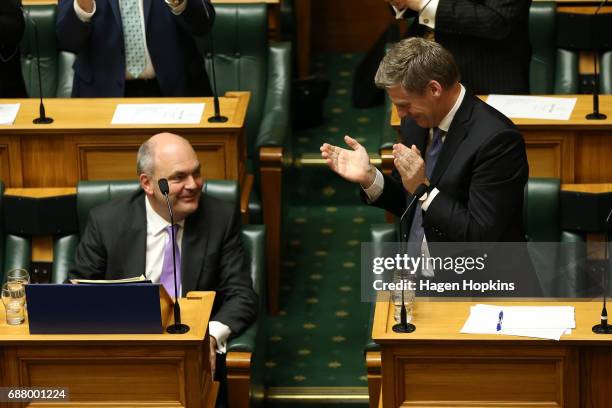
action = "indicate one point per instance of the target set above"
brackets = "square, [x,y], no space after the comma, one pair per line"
[142,88]
[221,376]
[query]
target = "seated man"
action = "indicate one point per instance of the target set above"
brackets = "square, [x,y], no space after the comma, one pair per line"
[471,158]
[129,237]
[134,47]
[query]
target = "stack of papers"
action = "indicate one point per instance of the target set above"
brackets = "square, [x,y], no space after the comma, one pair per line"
[545,322]
[158,114]
[533,107]
[8,113]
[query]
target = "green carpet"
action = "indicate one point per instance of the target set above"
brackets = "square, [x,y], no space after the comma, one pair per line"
[318,339]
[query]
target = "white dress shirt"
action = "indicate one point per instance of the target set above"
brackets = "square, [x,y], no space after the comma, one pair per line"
[149,71]
[427,13]
[157,238]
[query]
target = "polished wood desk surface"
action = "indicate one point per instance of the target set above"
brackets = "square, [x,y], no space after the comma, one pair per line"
[443,320]
[97,113]
[584,106]
[196,309]
[592,188]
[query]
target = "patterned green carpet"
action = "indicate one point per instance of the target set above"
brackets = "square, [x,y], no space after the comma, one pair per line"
[318,339]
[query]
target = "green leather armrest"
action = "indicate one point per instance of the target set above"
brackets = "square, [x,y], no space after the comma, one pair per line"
[275,125]
[64,250]
[566,75]
[65,74]
[605,72]
[572,259]
[17,253]
[254,240]
[371,345]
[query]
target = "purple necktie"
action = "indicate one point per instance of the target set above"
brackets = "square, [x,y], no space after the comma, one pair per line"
[167,275]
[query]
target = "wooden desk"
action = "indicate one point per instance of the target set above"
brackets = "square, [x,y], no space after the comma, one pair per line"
[436,366]
[160,370]
[576,151]
[81,144]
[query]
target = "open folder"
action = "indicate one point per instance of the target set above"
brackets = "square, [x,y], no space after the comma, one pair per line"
[126,308]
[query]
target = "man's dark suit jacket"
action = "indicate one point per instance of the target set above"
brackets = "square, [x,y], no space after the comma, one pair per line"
[489,40]
[12,25]
[480,174]
[100,65]
[113,246]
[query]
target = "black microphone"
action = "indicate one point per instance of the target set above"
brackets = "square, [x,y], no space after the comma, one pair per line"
[42,119]
[403,326]
[177,327]
[596,115]
[217,118]
[603,327]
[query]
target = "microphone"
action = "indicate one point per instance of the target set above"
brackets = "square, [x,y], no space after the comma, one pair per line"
[217,118]
[42,119]
[177,327]
[596,115]
[603,327]
[403,326]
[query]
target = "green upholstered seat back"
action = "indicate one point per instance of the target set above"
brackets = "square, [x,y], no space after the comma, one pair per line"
[543,38]
[605,81]
[240,37]
[15,251]
[40,18]
[541,210]
[91,194]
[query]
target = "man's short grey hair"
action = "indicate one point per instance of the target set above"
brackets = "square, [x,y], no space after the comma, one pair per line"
[145,160]
[413,63]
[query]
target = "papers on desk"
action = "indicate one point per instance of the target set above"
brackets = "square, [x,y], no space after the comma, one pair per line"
[158,114]
[533,107]
[545,322]
[8,113]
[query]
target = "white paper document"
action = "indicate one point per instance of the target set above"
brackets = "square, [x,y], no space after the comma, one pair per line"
[158,114]
[8,113]
[533,107]
[545,322]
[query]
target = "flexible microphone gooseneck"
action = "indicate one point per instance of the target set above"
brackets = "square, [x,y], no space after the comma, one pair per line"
[177,327]
[217,118]
[403,326]
[42,119]
[603,327]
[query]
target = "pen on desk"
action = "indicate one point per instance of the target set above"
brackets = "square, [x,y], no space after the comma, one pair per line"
[501,318]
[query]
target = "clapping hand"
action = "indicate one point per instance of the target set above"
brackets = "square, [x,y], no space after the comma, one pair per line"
[352,165]
[410,165]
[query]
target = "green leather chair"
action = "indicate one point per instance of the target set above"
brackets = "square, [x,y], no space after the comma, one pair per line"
[553,70]
[246,61]
[542,224]
[56,66]
[605,73]
[15,251]
[240,361]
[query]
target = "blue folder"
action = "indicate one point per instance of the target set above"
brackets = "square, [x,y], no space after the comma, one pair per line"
[126,308]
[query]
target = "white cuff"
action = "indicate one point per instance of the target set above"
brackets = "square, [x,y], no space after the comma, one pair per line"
[427,16]
[430,197]
[178,9]
[82,14]
[398,13]
[375,190]
[220,332]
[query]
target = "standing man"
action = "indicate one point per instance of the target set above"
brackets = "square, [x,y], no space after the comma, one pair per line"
[488,38]
[135,47]
[12,25]
[471,157]
[130,236]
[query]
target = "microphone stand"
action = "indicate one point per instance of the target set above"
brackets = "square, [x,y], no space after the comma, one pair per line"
[217,118]
[403,326]
[603,327]
[177,327]
[42,119]
[596,115]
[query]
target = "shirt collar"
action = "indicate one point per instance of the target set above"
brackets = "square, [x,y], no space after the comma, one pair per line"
[448,119]
[155,222]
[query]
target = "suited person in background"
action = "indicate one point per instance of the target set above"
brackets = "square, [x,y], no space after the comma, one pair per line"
[130,236]
[471,157]
[135,47]
[12,25]
[488,38]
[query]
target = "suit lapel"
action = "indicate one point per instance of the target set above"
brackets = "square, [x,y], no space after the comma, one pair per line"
[135,239]
[413,134]
[193,248]
[114,5]
[456,133]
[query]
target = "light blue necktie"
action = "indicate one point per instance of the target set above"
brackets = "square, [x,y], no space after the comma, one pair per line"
[416,229]
[167,275]
[133,38]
